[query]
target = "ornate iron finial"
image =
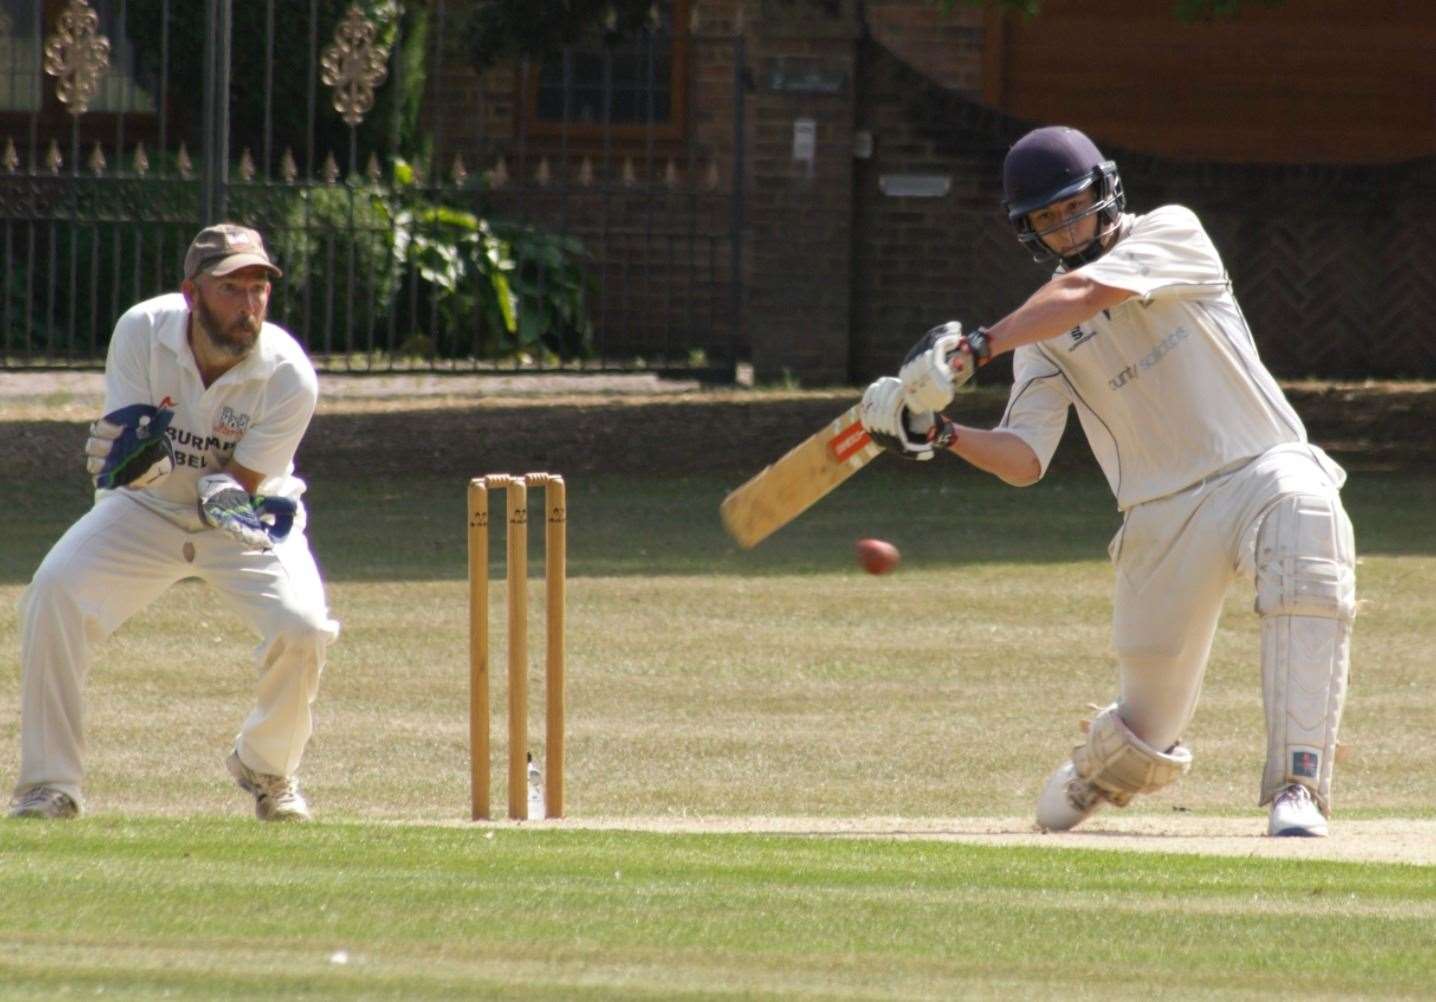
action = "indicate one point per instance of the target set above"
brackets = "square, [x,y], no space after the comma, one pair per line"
[142,160]
[77,56]
[354,65]
[53,160]
[331,169]
[246,165]
[585,172]
[372,170]
[288,169]
[97,163]
[11,159]
[183,164]
[543,175]
[499,176]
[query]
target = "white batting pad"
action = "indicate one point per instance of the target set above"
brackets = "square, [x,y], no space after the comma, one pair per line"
[1121,764]
[1306,596]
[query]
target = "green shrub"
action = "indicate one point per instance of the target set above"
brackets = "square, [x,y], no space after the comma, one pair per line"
[496,289]
[67,280]
[553,288]
[341,284]
[461,268]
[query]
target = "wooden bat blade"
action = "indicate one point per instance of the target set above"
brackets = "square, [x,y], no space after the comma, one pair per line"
[787,488]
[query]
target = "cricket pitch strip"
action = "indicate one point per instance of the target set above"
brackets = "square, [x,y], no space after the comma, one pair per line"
[1364,840]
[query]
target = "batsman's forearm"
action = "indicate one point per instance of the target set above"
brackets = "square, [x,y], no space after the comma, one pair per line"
[1054,309]
[1000,453]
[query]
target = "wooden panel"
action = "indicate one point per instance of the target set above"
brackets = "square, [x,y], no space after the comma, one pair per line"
[1310,81]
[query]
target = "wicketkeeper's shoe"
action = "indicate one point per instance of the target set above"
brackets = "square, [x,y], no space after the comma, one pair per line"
[276,798]
[1294,814]
[44,802]
[1067,800]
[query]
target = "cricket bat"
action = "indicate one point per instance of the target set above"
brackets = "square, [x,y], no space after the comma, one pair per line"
[789,487]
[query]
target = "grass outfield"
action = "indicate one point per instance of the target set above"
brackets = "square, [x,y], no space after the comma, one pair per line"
[212,909]
[705,681]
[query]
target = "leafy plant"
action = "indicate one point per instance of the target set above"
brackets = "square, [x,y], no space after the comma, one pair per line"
[492,289]
[553,289]
[464,267]
[335,246]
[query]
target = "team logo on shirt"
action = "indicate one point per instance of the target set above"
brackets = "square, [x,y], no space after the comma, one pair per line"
[229,424]
[1147,361]
[1077,337]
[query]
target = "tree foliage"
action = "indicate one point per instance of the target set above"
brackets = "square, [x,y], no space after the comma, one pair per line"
[392,127]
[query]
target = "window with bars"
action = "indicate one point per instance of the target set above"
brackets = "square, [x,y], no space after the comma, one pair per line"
[632,87]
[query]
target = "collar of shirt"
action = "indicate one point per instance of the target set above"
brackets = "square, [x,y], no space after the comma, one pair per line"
[257,365]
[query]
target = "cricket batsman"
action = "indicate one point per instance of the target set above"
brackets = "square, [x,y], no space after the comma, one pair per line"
[1139,332]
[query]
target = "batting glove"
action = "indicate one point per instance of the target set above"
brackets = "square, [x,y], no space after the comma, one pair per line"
[258,523]
[888,422]
[941,361]
[129,448]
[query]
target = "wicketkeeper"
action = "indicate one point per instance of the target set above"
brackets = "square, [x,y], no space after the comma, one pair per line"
[1139,332]
[193,464]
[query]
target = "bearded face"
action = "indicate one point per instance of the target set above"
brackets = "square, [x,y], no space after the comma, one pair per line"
[230,310]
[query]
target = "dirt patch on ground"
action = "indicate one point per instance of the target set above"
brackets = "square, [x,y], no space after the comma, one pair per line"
[1389,840]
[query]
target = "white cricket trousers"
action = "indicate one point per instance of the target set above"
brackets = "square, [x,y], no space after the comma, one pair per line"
[1175,558]
[115,561]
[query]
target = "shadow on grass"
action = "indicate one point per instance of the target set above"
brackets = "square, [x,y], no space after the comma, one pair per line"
[943,515]
[645,479]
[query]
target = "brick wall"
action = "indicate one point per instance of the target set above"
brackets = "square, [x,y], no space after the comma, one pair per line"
[1315,81]
[919,261]
[840,276]
[1324,258]
[654,210]
[945,48]
[799,213]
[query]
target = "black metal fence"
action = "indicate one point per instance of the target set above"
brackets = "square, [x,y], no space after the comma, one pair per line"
[576,213]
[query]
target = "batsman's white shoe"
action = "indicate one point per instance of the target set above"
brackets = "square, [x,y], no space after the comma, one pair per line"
[1067,800]
[276,798]
[44,802]
[1294,814]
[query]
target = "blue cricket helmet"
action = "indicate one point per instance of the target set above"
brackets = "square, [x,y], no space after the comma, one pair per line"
[1051,164]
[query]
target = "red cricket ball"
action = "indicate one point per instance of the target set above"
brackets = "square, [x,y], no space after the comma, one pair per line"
[877,556]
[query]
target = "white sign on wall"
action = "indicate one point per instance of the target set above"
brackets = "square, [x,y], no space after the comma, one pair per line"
[805,140]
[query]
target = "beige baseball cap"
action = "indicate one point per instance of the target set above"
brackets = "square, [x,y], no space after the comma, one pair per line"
[219,250]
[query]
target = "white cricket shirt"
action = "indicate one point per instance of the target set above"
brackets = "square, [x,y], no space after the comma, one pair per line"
[255,414]
[1168,385]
